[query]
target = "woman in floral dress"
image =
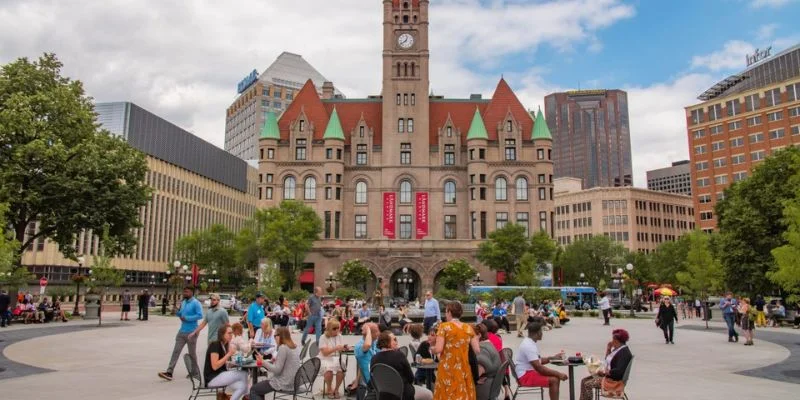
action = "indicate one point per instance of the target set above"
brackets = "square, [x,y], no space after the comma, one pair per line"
[453,339]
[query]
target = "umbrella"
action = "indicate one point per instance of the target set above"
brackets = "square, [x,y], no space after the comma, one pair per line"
[664,292]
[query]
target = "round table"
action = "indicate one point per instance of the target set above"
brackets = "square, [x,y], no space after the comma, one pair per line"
[571,366]
[428,368]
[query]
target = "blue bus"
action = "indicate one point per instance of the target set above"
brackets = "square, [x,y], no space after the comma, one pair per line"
[581,296]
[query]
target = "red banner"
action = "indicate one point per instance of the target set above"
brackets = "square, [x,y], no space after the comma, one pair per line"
[195,275]
[389,206]
[422,214]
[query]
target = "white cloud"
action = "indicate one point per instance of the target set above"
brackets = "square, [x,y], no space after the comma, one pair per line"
[769,3]
[731,56]
[766,31]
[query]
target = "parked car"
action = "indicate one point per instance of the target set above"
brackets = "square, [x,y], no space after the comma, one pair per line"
[225,300]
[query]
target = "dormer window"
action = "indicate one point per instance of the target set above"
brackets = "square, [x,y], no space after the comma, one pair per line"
[508,126]
[360,131]
[449,131]
[302,125]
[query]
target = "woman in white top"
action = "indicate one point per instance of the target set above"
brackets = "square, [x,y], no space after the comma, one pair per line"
[330,344]
[265,339]
[240,341]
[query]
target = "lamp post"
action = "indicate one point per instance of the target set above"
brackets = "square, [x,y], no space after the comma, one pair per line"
[78,279]
[477,281]
[330,280]
[167,283]
[582,281]
[629,267]
[405,279]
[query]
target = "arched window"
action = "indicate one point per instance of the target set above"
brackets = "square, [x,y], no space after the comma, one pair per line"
[288,188]
[361,193]
[500,185]
[522,188]
[405,192]
[449,192]
[310,186]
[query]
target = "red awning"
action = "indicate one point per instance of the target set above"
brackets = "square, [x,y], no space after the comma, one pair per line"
[307,276]
[501,277]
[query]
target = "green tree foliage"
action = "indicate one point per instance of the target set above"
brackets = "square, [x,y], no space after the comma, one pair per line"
[104,274]
[504,249]
[527,273]
[703,274]
[787,257]
[288,233]
[532,265]
[457,274]
[444,295]
[668,260]
[595,257]
[214,249]
[345,293]
[751,223]
[543,248]
[10,276]
[57,168]
[354,275]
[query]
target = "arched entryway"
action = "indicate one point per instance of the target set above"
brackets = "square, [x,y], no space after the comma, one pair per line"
[405,283]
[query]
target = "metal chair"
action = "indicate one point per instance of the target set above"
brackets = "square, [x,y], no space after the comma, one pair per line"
[199,388]
[387,382]
[304,350]
[598,393]
[313,350]
[404,350]
[497,382]
[303,381]
[508,354]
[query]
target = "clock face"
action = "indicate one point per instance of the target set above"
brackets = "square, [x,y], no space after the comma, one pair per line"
[405,40]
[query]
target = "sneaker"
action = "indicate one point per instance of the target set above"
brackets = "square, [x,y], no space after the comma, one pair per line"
[165,375]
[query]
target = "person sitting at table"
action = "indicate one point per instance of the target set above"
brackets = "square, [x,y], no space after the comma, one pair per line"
[384,319]
[609,380]
[364,350]
[363,316]
[529,365]
[424,351]
[57,311]
[265,339]
[283,367]
[330,345]
[239,341]
[215,371]
[403,319]
[497,342]
[415,330]
[500,315]
[488,365]
[388,354]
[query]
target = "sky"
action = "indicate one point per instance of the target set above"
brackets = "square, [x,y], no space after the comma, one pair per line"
[182,59]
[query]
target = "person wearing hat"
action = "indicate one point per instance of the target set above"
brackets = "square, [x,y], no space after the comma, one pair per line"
[255,313]
[666,319]
[216,317]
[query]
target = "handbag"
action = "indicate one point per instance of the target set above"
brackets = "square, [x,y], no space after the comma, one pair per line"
[658,322]
[612,388]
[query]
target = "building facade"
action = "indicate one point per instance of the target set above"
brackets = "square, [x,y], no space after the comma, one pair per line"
[404,179]
[639,219]
[195,183]
[591,136]
[271,91]
[675,179]
[740,121]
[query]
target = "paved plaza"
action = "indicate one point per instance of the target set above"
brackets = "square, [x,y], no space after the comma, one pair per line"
[120,360]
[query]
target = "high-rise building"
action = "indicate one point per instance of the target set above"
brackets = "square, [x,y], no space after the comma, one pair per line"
[740,121]
[406,181]
[591,136]
[674,179]
[639,219]
[195,183]
[271,91]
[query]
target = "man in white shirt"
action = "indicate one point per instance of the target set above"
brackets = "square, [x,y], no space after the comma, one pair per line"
[605,306]
[530,366]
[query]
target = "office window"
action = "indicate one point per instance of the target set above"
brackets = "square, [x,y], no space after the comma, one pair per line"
[775,116]
[413,99]
[361,226]
[501,220]
[401,123]
[405,226]
[795,130]
[338,178]
[701,149]
[772,97]
[751,103]
[738,176]
[794,112]
[269,193]
[737,142]
[270,154]
[398,99]
[449,192]
[701,166]
[719,162]
[777,134]
[328,154]
[338,154]
[758,155]
[734,125]
[793,92]
[481,154]
[522,188]
[703,182]
[706,215]
[337,216]
[754,120]
[288,188]
[757,138]
[410,124]
[698,134]
[310,185]
[737,159]
[449,154]
[276,92]
[361,192]
[269,178]
[450,227]
[721,179]
[300,149]
[542,178]
[405,153]
[328,193]
[511,149]
[697,116]
[733,107]
[500,189]
[704,198]
[327,224]
[543,220]
[715,130]
[405,192]
[717,146]
[542,194]
[522,220]
[361,154]
[714,112]
[540,154]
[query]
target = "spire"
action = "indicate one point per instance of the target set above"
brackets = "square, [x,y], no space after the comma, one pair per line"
[477,130]
[334,128]
[270,129]
[540,129]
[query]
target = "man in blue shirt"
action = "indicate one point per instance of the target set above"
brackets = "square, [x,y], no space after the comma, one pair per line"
[728,307]
[432,312]
[255,313]
[190,312]
[500,316]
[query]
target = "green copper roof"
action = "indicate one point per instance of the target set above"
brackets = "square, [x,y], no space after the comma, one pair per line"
[270,129]
[540,129]
[334,129]
[477,130]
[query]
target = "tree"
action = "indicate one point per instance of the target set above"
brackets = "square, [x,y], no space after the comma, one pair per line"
[288,233]
[214,249]
[543,247]
[704,274]
[57,169]
[533,264]
[504,249]
[787,257]
[10,276]
[669,259]
[528,272]
[750,225]
[354,275]
[457,274]
[596,257]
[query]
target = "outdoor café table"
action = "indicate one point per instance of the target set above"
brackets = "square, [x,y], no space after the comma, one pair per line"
[571,366]
[428,368]
[250,366]
[344,358]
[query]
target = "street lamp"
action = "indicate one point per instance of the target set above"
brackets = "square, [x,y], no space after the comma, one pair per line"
[629,267]
[330,280]
[78,278]
[214,280]
[167,283]
[477,281]
[582,281]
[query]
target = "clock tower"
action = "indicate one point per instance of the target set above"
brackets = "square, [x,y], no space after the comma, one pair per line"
[405,83]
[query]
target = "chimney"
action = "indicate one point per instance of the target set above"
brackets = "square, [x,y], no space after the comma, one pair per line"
[327,90]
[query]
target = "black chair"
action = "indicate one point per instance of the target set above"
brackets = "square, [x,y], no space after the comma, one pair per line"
[199,388]
[304,350]
[599,393]
[313,350]
[404,350]
[387,382]
[497,382]
[303,381]
[508,354]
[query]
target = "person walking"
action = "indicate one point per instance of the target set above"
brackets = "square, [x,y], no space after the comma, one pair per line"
[432,312]
[747,321]
[126,305]
[697,306]
[666,319]
[5,313]
[144,304]
[189,312]
[215,318]
[761,318]
[605,307]
[314,304]
[519,313]
[454,379]
[728,307]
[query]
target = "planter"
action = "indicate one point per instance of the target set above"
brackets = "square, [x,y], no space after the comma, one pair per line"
[92,306]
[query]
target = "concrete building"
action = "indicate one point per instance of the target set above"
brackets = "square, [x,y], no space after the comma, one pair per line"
[195,184]
[405,180]
[740,121]
[271,91]
[639,219]
[674,179]
[591,136]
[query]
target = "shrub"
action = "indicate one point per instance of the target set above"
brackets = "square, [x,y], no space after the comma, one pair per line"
[449,294]
[346,293]
[297,295]
[593,313]
[576,313]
